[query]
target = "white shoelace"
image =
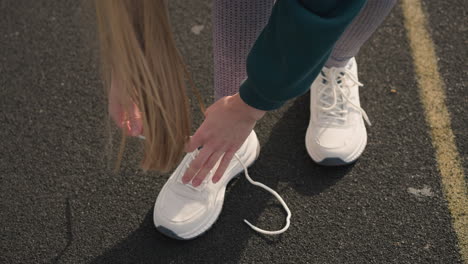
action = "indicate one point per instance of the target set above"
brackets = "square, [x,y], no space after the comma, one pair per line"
[334,87]
[259,184]
[274,193]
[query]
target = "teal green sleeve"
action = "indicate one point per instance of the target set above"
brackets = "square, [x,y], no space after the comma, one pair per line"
[292,49]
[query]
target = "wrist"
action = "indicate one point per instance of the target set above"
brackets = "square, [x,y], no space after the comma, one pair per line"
[249,111]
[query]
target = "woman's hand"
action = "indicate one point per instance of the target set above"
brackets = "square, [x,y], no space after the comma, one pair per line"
[132,125]
[228,123]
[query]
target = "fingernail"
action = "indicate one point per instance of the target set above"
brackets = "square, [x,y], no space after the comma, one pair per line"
[185,180]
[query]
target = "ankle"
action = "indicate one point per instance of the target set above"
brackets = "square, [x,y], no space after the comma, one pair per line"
[337,62]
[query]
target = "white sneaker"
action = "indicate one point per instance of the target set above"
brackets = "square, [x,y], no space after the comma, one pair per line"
[184,212]
[336,134]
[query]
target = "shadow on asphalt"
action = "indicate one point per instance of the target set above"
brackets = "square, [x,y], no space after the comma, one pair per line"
[283,165]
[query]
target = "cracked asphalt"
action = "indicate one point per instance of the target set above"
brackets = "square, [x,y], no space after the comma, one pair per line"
[61,203]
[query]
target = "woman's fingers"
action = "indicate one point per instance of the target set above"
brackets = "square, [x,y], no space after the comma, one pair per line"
[135,124]
[209,164]
[128,119]
[223,165]
[204,162]
[227,124]
[194,142]
[196,164]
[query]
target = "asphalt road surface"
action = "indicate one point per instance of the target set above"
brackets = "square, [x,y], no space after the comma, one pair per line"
[61,203]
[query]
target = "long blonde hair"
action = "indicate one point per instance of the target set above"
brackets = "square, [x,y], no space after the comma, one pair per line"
[137,47]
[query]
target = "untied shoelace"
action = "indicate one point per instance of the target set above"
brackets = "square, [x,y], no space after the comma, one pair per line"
[261,185]
[274,193]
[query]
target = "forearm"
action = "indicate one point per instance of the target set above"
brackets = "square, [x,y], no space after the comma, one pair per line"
[292,49]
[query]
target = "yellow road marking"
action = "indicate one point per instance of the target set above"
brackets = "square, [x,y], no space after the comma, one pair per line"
[432,93]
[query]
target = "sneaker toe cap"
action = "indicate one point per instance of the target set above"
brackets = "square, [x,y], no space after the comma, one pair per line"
[178,214]
[332,139]
[334,144]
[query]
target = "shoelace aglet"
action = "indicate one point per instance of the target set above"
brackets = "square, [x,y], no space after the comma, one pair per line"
[368,122]
[366,118]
